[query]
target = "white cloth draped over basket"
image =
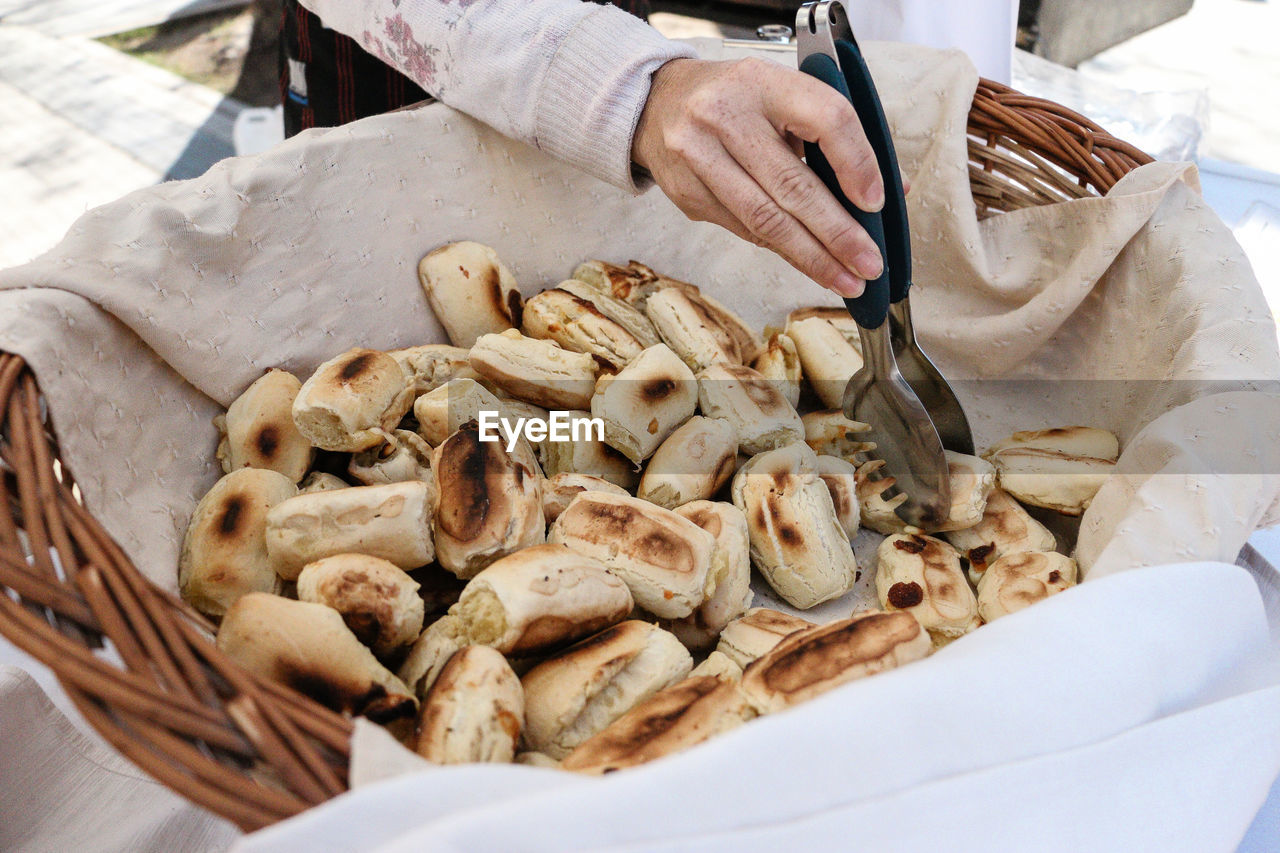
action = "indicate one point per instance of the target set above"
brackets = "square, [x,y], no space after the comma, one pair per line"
[1139,709]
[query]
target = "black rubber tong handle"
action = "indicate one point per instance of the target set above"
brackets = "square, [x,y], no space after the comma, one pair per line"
[888,228]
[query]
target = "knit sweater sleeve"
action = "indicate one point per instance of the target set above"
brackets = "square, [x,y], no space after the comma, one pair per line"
[565,76]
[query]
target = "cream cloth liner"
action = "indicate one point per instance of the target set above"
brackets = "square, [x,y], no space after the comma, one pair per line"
[156,310]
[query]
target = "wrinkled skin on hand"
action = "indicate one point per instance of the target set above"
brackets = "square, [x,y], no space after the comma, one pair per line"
[724,140]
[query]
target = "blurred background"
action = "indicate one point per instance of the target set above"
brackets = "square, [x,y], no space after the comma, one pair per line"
[101,97]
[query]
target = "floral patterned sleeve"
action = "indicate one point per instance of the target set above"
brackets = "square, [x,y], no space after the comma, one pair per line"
[565,76]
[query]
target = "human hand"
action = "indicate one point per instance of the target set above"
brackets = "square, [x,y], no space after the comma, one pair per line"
[724,139]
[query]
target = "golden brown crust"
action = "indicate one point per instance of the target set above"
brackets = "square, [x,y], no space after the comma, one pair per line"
[810,662]
[681,716]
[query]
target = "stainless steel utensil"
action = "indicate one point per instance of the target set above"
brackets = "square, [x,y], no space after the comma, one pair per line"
[877,394]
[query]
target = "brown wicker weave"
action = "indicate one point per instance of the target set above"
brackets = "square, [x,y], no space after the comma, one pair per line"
[140,664]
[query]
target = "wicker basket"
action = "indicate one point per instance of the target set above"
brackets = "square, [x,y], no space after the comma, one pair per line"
[141,665]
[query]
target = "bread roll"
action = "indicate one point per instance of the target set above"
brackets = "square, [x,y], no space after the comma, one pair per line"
[746,342]
[588,455]
[830,433]
[728,592]
[1016,581]
[745,639]
[430,652]
[541,598]
[841,480]
[403,456]
[692,464]
[1051,480]
[319,481]
[761,416]
[576,693]
[488,504]
[559,491]
[351,402]
[442,411]
[644,402]
[663,558]
[536,371]
[718,665]
[224,551]
[681,716]
[809,663]
[392,522]
[1005,528]
[633,284]
[259,432]
[377,600]
[826,357]
[470,290]
[309,648]
[797,543]
[582,318]
[921,574]
[779,363]
[878,512]
[473,712]
[429,366]
[838,318]
[972,480]
[1088,442]
[692,335]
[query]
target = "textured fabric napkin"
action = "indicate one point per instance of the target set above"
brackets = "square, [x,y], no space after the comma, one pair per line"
[1137,312]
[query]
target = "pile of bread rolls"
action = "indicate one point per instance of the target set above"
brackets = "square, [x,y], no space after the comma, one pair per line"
[587,604]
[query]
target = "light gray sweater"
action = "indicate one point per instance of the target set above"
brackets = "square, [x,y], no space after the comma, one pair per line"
[567,77]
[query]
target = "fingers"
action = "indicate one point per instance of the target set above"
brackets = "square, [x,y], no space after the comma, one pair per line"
[813,111]
[765,222]
[765,156]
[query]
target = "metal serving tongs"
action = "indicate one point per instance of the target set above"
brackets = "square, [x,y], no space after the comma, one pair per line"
[878,394]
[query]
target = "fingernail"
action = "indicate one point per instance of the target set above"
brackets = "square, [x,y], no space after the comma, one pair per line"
[868,264]
[848,286]
[874,195]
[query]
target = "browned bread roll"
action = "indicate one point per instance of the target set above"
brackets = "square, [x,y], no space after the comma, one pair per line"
[692,464]
[811,662]
[644,402]
[1016,581]
[377,600]
[224,552]
[779,363]
[429,366]
[681,716]
[576,693]
[1059,469]
[583,318]
[559,490]
[747,638]
[259,432]
[1005,528]
[473,712]
[539,599]
[536,371]
[797,543]
[662,557]
[430,652]
[922,575]
[402,456]
[729,581]
[309,648]
[488,505]
[392,522]
[352,401]
[759,414]
[470,290]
